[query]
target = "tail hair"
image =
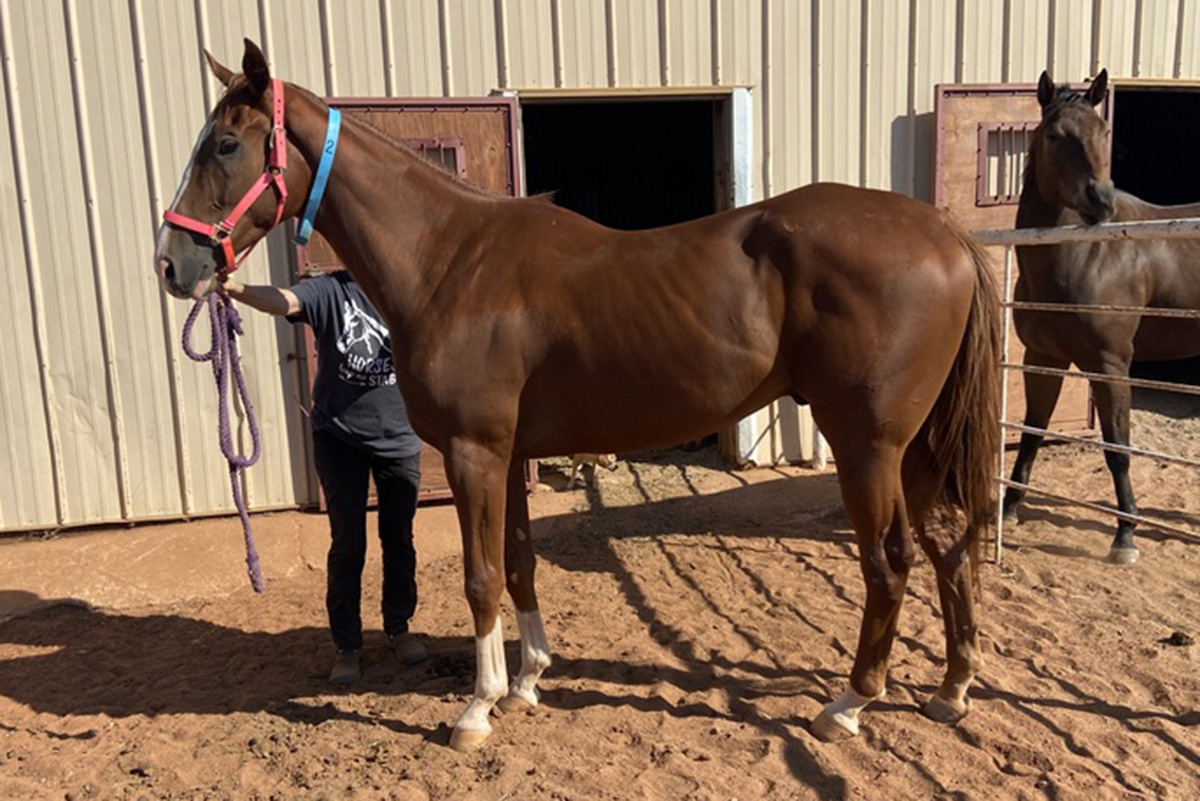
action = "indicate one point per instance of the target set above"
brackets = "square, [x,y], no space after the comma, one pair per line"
[964,427]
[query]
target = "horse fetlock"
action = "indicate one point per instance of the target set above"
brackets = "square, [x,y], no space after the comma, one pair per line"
[839,719]
[1123,555]
[1010,510]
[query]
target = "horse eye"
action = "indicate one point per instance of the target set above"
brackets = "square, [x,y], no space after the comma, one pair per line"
[227,146]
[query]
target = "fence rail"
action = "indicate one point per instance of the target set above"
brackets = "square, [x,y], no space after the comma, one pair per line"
[1131,231]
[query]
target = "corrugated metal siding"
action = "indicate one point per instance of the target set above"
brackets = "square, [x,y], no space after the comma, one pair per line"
[103,419]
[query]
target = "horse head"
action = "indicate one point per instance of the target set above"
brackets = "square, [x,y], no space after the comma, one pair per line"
[1069,155]
[232,157]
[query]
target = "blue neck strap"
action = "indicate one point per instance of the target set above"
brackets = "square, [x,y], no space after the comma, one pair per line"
[318,187]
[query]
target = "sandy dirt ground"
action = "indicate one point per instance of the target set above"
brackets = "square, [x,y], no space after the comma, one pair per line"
[700,618]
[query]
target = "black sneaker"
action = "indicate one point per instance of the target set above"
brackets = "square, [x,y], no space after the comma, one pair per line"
[409,650]
[345,668]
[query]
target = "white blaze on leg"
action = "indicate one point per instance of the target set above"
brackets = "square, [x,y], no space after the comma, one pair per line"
[535,656]
[491,677]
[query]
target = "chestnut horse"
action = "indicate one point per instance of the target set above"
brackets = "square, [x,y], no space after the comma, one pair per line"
[523,330]
[1067,182]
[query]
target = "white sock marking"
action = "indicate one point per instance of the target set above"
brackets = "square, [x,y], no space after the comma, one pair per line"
[535,656]
[491,676]
[846,708]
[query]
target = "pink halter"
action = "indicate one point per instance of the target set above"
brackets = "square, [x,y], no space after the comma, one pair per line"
[221,233]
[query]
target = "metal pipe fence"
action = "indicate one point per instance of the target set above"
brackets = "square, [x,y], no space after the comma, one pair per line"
[1131,231]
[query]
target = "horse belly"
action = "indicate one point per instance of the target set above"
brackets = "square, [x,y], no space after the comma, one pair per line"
[1164,339]
[636,403]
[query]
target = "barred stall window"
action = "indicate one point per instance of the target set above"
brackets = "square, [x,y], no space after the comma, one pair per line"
[1002,150]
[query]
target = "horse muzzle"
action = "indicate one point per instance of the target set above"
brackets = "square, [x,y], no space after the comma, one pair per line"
[1101,202]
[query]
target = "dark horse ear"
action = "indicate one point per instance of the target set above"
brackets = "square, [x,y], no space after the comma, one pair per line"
[1095,92]
[223,73]
[254,67]
[1045,89]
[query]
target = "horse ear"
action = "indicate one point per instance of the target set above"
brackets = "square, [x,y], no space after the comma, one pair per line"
[222,73]
[254,67]
[1045,92]
[1096,91]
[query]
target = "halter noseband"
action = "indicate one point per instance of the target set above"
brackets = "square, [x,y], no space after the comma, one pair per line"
[221,233]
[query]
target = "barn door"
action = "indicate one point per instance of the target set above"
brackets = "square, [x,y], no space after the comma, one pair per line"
[473,139]
[983,135]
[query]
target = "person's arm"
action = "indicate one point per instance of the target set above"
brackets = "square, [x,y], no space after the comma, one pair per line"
[269,299]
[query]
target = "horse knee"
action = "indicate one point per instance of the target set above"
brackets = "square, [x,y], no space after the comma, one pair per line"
[483,586]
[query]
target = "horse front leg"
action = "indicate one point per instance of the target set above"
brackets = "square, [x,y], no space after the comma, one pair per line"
[477,474]
[875,504]
[1112,405]
[1041,396]
[519,565]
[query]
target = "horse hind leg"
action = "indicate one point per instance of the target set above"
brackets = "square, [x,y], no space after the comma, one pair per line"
[874,501]
[949,551]
[519,565]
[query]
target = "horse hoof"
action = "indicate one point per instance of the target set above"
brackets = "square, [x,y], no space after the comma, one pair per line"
[831,728]
[943,711]
[1123,556]
[512,704]
[464,740]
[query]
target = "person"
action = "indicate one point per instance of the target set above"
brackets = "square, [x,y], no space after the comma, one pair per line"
[360,427]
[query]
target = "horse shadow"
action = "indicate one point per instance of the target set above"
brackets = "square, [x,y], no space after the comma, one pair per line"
[72,659]
[123,665]
[1066,516]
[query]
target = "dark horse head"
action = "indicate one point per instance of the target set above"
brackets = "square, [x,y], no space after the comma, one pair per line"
[230,155]
[1069,155]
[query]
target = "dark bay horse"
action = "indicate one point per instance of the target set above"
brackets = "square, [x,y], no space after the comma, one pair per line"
[523,330]
[1067,182]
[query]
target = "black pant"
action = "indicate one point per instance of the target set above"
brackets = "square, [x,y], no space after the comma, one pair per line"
[343,470]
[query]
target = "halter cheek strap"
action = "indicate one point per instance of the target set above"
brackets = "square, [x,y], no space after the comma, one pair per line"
[328,151]
[220,233]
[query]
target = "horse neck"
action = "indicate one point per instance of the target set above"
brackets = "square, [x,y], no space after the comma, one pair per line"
[380,208]
[1033,209]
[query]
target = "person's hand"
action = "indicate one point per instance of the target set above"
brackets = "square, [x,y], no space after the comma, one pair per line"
[229,285]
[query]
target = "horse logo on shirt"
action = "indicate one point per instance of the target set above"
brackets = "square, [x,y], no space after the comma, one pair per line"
[366,347]
[362,330]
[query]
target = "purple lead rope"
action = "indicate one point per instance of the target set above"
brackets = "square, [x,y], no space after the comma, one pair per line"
[226,328]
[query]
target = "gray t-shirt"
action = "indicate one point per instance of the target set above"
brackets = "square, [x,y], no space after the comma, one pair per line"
[354,393]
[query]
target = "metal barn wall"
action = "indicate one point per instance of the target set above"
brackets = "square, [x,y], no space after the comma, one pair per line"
[101,416]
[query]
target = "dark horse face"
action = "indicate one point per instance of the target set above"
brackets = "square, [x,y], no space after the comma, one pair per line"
[1070,150]
[229,156]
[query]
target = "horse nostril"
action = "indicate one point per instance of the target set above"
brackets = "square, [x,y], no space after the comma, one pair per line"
[166,269]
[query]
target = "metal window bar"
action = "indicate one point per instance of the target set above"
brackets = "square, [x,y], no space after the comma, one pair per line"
[1156,229]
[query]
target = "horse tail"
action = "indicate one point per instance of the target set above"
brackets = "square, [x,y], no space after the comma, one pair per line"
[963,429]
